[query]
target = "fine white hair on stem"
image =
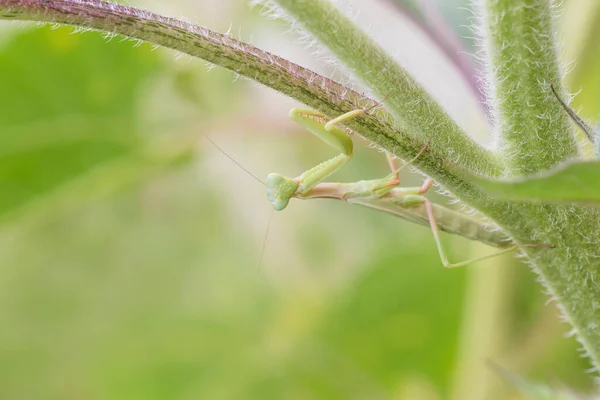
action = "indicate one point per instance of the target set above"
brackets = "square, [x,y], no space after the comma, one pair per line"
[272,10]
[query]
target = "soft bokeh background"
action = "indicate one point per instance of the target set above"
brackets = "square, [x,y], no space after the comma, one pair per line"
[131,249]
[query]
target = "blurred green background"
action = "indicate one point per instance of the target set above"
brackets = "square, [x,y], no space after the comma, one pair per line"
[131,249]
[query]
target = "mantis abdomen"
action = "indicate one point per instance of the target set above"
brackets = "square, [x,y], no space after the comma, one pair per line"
[446,219]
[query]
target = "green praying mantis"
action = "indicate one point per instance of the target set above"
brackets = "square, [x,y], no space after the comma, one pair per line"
[384,194]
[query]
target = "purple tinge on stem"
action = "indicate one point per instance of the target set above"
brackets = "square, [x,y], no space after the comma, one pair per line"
[433,24]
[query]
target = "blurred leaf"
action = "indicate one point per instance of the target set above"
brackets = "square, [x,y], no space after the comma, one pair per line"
[105,178]
[135,297]
[574,182]
[389,323]
[69,106]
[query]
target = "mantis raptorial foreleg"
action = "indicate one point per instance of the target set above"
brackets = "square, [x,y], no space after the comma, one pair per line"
[381,194]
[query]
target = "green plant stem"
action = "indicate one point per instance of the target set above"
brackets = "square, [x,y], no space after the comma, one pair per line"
[282,75]
[534,133]
[415,110]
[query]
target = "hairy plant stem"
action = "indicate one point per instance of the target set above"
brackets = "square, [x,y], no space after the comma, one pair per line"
[535,135]
[310,88]
[415,110]
[569,271]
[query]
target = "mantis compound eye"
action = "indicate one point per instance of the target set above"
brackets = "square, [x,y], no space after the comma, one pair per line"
[280,190]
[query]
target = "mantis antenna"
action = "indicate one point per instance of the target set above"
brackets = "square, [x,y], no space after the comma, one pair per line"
[264,245]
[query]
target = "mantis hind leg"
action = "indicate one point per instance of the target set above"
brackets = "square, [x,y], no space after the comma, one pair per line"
[443,257]
[436,235]
[393,163]
[414,198]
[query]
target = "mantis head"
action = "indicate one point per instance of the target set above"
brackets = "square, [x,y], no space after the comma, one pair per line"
[280,190]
